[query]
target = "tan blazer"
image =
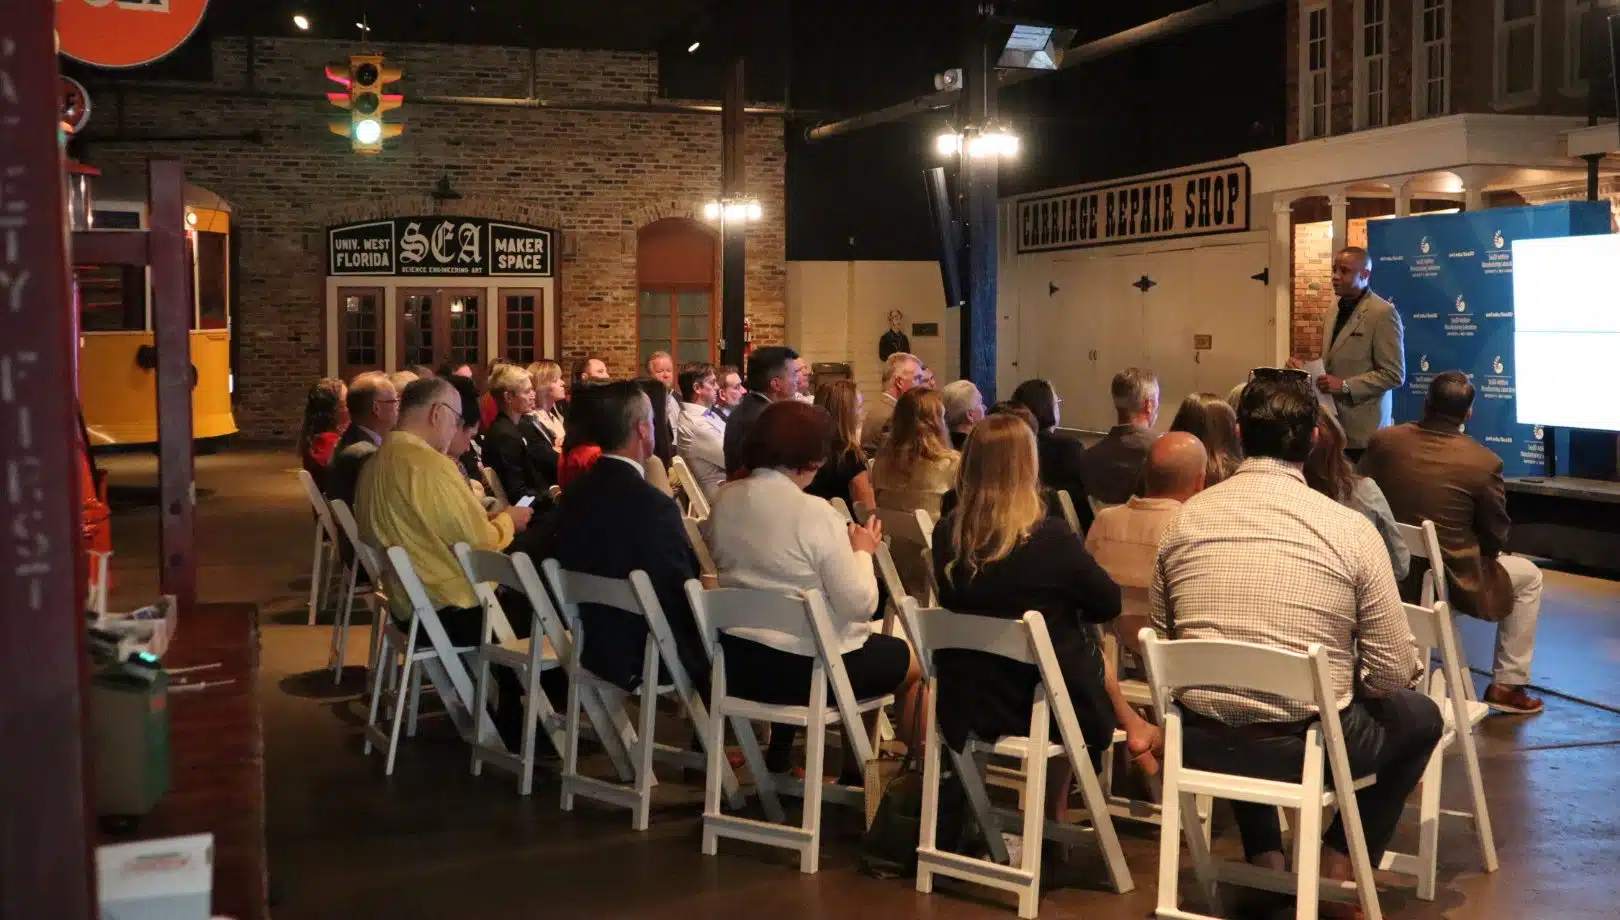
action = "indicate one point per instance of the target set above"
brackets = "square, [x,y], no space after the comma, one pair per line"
[875,428]
[1433,472]
[1370,354]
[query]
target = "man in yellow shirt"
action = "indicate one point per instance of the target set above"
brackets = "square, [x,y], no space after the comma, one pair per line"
[413,495]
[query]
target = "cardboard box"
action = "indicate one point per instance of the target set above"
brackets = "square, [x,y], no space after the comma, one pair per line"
[170,879]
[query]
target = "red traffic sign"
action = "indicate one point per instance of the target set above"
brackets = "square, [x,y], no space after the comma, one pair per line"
[75,105]
[125,33]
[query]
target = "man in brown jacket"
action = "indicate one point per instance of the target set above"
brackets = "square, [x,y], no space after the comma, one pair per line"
[1431,470]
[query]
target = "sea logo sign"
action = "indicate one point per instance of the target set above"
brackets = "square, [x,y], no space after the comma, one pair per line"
[125,33]
[1497,241]
[440,245]
[1423,364]
[1462,305]
[1496,364]
[1424,246]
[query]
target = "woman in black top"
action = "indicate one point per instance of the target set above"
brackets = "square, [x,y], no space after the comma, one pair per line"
[1061,456]
[998,554]
[844,475]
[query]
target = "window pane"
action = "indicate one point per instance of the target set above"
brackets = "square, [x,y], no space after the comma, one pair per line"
[692,303]
[692,351]
[693,327]
[464,329]
[655,327]
[654,302]
[648,346]
[211,268]
[358,320]
[416,320]
[112,298]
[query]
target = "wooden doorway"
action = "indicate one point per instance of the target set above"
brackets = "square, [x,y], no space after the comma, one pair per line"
[438,325]
[676,266]
[360,337]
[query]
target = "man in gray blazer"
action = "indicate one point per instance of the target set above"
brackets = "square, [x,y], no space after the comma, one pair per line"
[1363,351]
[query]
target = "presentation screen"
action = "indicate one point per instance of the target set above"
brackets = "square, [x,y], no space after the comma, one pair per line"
[1566,330]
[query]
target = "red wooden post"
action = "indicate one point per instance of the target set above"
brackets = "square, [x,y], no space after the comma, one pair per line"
[45,846]
[172,310]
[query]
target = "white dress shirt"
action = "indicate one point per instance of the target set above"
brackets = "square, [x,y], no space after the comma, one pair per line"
[700,440]
[766,533]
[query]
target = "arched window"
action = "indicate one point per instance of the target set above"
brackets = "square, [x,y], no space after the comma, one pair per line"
[675,270]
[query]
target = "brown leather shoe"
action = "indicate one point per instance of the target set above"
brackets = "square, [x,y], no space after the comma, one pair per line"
[1514,700]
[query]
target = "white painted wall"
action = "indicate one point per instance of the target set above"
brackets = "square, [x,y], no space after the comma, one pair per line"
[837,311]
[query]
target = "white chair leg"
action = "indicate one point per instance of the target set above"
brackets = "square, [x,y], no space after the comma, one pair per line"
[645,744]
[406,678]
[340,624]
[1198,849]
[1035,767]
[570,767]
[928,838]
[815,750]
[1096,798]
[536,709]
[480,704]
[1170,828]
[970,770]
[415,690]
[317,574]
[1308,847]
[378,688]
[1429,828]
[714,753]
[1482,814]
[755,758]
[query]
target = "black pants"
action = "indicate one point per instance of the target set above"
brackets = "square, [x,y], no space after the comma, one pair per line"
[1390,737]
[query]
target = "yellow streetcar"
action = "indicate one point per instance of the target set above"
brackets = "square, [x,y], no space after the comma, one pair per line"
[117,361]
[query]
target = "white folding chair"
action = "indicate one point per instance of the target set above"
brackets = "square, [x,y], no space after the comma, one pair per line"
[697,504]
[322,567]
[544,650]
[1423,542]
[1434,631]
[1175,665]
[700,546]
[842,509]
[632,595]
[913,532]
[415,655]
[1066,502]
[494,489]
[1025,640]
[376,603]
[724,609]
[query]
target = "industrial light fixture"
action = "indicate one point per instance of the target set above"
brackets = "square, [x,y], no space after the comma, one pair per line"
[734,210]
[992,142]
[301,21]
[1033,46]
[693,47]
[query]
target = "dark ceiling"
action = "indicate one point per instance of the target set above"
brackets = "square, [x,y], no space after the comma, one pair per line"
[618,24]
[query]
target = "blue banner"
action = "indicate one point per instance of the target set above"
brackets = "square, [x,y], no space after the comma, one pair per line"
[1451,278]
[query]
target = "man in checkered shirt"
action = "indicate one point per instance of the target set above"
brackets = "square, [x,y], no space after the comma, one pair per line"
[1262,558]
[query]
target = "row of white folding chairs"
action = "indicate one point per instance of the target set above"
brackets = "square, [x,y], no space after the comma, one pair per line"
[332,580]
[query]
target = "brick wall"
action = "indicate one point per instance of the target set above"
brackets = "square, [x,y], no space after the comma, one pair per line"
[1313,281]
[596,176]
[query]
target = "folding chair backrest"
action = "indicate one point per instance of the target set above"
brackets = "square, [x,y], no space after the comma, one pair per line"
[632,595]
[1240,666]
[890,577]
[1423,542]
[317,501]
[841,508]
[492,485]
[936,629]
[399,562]
[910,526]
[832,661]
[534,589]
[719,610]
[1066,503]
[485,570]
[700,546]
[697,504]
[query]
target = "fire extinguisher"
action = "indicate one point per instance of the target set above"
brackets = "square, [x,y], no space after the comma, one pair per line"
[748,338]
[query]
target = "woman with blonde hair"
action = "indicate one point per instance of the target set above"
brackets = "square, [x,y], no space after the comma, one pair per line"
[917,466]
[844,476]
[1210,419]
[544,428]
[998,554]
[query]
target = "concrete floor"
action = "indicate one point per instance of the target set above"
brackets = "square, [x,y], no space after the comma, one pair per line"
[434,842]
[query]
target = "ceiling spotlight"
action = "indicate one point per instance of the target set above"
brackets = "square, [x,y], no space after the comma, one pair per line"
[301,21]
[693,47]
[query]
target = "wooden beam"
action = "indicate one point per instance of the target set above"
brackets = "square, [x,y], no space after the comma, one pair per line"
[172,308]
[110,247]
[45,848]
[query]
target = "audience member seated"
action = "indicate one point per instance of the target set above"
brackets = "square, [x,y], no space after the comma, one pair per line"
[918,465]
[901,372]
[844,476]
[589,369]
[612,522]
[1113,466]
[412,495]
[506,442]
[661,367]
[373,407]
[657,466]
[1263,558]
[1213,421]
[700,430]
[806,380]
[964,408]
[1063,457]
[545,427]
[767,533]
[998,554]
[731,390]
[451,368]
[772,377]
[580,448]
[1125,538]
[1431,471]
[324,409]
[465,449]
[1328,471]
[403,379]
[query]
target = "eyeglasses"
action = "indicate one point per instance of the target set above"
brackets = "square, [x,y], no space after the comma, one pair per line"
[454,410]
[1279,373]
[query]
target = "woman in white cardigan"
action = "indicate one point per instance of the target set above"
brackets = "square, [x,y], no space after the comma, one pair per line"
[766,533]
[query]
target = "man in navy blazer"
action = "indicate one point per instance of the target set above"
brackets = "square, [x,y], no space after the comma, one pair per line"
[611,523]
[773,375]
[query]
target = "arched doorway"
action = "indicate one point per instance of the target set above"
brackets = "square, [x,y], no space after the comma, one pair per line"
[676,262]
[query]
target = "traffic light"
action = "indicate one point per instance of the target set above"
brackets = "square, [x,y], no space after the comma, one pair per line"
[365,76]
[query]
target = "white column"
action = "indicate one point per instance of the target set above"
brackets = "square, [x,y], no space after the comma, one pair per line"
[1403,198]
[1341,220]
[1281,276]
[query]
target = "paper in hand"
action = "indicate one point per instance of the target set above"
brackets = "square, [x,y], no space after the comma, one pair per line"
[1314,368]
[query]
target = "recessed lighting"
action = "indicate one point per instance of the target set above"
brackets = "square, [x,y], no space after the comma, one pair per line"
[301,21]
[693,47]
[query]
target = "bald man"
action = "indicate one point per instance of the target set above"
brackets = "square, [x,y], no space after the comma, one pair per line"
[1125,538]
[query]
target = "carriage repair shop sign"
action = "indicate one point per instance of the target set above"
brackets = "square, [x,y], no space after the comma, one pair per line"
[1158,206]
[440,245]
